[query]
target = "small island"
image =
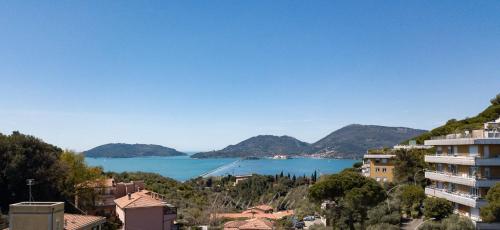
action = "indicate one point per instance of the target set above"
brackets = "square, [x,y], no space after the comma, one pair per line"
[122,150]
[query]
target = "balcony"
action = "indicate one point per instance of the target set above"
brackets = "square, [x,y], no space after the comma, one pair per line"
[462,160]
[449,159]
[472,181]
[448,177]
[467,138]
[460,198]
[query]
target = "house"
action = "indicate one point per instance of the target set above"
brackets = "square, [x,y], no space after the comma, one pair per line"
[83,222]
[252,224]
[241,178]
[49,216]
[464,167]
[379,167]
[145,210]
[97,196]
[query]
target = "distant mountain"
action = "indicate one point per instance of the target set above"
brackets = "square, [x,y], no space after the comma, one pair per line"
[131,150]
[259,146]
[354,140]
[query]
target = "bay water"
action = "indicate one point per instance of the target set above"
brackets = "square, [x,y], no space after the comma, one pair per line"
[184,168]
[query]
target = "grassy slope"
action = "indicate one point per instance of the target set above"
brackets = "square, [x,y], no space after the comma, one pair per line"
[452,126]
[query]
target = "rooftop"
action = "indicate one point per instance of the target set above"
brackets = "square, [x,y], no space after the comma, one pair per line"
[140,199]
[378,156]
[256,224]
[76,222]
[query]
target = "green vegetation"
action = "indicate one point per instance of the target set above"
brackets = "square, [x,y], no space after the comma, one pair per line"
[491,212]
[453,222]
[353,141]
[259,146]
[412,197]
[453,126]
[409,165]
[437,208]
[55,172]
[353,195]
[129,150]
[348,142]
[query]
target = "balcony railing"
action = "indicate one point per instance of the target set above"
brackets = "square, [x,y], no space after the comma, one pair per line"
[462,159]
[450,177]
[473,134]
[469,180]
[455,196]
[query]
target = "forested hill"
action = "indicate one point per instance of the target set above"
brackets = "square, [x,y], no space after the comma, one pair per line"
[354,140]
[351,141]
[491,113]
[259,146]
[131,150]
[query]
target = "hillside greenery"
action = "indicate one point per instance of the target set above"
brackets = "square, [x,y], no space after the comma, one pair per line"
[259,146]
[351,141]
[491,113]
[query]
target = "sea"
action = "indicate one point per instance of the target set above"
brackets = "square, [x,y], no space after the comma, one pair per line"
[183,168]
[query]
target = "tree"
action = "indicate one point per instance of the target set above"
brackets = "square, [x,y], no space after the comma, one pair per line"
[437,208]
[353,193]
[408,164]
[77,171]
[26,157]
[453,222]
[412,197]
[491,211]
[495,100]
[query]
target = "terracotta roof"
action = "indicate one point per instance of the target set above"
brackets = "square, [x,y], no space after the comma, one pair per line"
[138,200]
[246,214]
[263,207]
[253,224]
[76,222]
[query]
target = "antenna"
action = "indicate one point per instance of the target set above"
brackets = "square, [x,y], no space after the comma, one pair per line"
[30,182]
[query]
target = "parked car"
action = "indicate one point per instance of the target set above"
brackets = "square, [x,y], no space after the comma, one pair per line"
[300,225]
[309,218]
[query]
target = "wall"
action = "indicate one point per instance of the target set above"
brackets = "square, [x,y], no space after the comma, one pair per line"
[150,218]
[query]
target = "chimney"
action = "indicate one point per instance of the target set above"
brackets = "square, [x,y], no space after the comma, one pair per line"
[129,196]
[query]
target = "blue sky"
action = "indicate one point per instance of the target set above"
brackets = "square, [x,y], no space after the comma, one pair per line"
[200,75]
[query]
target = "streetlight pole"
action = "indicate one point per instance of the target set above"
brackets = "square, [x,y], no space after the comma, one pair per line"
[387,194]
[415,175]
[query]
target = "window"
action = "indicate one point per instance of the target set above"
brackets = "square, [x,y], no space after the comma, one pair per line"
[377,169]
[384,161]
[440,167]
[486,151]
[384,170]
[439,150]
[473,150]
[472,171]
[450,150]
[385,179]
[487,172]
[377,179]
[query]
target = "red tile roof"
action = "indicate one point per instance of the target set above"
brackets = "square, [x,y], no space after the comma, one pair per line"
[253,224]
[249,215]
[77,222]
[139,200]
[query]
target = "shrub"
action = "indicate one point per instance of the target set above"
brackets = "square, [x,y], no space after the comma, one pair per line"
[437,208]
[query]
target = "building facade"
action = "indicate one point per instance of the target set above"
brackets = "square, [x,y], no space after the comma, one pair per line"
[49,216]
[379,167]
[464,167]
[145,210]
